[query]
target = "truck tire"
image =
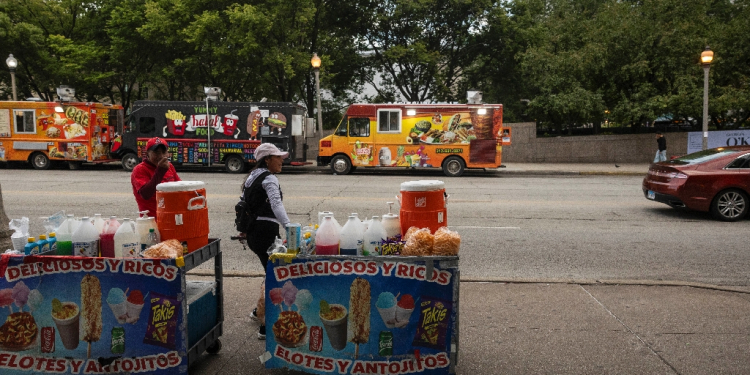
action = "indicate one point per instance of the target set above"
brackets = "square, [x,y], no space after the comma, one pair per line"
[39,161]
[340,164]
[453,166]
[129,161]
[234,164]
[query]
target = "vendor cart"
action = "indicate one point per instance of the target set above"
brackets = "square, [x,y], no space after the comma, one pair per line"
[115,315]
[363,314]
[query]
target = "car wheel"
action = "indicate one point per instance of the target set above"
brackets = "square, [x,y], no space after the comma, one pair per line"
[129,161]
[234,164]
[729,205]
[453,166]
[39,161]
[340,164]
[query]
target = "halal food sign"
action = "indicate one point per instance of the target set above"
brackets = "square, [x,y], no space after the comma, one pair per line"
[178,124]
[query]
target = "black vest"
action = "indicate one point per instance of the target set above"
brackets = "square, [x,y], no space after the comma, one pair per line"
[258,199]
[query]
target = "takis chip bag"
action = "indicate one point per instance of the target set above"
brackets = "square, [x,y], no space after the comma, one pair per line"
[434,319]
[162,322]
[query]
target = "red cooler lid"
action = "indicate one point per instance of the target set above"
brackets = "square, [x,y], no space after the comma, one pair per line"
[422,185]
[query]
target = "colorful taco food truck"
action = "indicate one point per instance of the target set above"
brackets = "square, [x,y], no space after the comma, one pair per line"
[448,136]
[46,132]
[223,133]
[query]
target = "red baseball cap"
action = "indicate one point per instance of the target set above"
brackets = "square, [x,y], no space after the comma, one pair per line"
[155,142]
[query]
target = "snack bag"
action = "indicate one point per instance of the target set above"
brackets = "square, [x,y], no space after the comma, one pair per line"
[434,318]
[162,322]
[447,242]
[418,242]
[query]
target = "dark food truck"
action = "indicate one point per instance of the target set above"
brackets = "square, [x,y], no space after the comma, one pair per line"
[235,129]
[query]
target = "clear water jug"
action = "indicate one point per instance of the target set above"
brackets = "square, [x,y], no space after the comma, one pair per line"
[374,236]
[126,240]
[86,239]
[352,237]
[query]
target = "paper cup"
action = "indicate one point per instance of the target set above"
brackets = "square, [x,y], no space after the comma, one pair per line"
[388,315]
[68,329]
[120,311]
[336,330]
[134,312]
[19,243]
[402,316]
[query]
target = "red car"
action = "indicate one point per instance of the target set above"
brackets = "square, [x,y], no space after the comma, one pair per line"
[715,180]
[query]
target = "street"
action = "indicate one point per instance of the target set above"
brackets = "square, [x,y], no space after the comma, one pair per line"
[513,228]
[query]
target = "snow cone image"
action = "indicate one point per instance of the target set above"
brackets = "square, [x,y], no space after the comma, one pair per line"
[387,308]
[404,308]
[116,302]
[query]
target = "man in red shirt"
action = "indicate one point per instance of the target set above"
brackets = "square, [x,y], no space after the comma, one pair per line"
[153,170]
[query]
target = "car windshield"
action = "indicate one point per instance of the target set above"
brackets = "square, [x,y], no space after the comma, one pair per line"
[703,156]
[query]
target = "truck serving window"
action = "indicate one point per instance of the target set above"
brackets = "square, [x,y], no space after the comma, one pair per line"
[359,127]
[24,121]
[146,125]
[389,120]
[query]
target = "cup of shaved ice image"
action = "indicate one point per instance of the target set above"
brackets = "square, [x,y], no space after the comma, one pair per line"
[404,308]
[334,320]
[387,308]
[65,315]
[134,305]
[117,303]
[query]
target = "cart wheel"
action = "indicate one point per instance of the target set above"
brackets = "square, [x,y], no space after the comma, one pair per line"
[215,347]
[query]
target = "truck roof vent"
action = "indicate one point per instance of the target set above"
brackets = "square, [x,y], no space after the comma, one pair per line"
[33,99]
[66,93]
[474,97]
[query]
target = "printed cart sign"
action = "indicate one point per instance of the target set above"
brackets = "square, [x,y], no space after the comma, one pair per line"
[363,315]
[76,315]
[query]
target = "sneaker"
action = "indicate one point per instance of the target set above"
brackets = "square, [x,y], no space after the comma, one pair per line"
[262,333]
[254,314]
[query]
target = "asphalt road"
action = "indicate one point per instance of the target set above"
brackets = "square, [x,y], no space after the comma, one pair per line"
[513,228]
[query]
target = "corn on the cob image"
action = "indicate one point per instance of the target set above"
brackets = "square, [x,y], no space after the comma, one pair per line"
[359,313]
[91,310]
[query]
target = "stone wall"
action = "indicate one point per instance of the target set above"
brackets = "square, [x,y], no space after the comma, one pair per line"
[527,148]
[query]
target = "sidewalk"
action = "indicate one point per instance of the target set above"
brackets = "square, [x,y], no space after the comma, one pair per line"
[555,328]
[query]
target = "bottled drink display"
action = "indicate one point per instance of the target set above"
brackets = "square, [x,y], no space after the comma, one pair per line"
[32,247]
[352,237]
[86,239]
[374,235]
[126,240]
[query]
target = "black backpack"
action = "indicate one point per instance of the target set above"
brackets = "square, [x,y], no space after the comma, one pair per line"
[245,210]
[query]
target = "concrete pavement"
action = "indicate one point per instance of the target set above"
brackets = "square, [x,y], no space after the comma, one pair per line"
[554,326]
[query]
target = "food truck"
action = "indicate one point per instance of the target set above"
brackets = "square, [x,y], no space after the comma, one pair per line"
[210,134]
[45,132]
[448,136]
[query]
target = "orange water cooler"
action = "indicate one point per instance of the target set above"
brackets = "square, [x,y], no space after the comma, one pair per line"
[182,213]
[423,205]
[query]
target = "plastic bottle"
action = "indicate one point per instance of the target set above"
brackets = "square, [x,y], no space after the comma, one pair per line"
[391,223]
[52,241]
[43,243]
[143,226]
[374,235]
[65,237]
[327,238]
[99,223]
[126,241]
[360,223]
[86,239]
[152,239]
[107,240]
[352,237]
[32,247]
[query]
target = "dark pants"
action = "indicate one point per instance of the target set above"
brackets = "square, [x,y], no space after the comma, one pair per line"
[261,237]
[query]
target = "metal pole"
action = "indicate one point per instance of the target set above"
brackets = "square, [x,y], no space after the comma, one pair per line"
[317,89]
[13,83]
[706,67]
[208,131]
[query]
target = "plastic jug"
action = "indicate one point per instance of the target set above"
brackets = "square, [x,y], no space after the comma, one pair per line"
[32,247]
[360,223]
[391,223]
[374,235]
[126,240]
[143,226]
[43,244]
[65,237]
[323,214]
[98,223]
[327,238]
[86,239]
[107,238]
[52,241]
[352,237]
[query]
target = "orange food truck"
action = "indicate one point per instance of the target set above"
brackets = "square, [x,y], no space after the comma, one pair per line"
[448,136]
[44,132]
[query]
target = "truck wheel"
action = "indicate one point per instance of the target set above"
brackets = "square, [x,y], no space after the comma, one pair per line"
[39,160]
[453,166]
[340,164]
[234,164]
[129,161]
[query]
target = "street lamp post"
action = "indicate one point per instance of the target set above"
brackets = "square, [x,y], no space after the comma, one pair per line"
[706,57]
[315,61]
[12,64]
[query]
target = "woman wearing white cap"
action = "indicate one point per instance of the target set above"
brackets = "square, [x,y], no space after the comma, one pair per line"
[265,196]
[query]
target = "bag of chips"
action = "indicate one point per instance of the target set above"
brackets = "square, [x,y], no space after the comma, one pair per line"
[162,322]
[434,319]
[446,242]
[418,242]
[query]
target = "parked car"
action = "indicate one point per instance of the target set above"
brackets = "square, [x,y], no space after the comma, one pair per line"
[715,180]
